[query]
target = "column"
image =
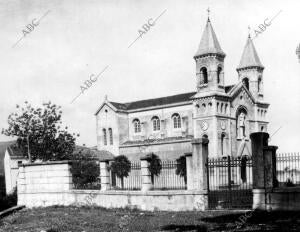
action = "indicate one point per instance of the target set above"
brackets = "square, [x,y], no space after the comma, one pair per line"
[146,176]
[104,175]
[189,170]
[259,140]
[199,159]
[270,166]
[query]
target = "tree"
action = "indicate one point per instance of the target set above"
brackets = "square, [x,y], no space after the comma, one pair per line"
[154,165]
[181,167]
[39,132]
[121,166]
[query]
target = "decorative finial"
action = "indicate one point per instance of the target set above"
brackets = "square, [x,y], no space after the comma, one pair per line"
[208,11]
[249,30]
[105,97]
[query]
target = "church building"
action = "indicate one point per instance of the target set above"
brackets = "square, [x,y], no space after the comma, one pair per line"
[226,115]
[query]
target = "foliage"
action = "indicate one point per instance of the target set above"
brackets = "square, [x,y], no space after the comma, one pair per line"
[121,166]
[85,171]
[9,200]
[181,167]
[41,129]
[154,165]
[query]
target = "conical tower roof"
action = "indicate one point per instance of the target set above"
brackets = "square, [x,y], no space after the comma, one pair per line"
[209,43]
[249,56]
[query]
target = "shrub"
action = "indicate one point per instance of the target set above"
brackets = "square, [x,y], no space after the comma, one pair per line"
[85,172]
[154,166]
[181,167]
[121,166]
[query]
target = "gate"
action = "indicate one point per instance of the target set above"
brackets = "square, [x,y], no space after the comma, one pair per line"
[229,182]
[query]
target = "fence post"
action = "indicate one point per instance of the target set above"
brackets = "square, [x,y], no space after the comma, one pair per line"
[199,159]
[146,175]
[189,170]
[104,175]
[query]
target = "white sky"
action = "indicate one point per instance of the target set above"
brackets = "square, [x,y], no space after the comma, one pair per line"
[79,38]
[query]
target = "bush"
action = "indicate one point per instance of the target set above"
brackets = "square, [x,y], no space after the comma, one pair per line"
[9,200]
[121,166]
[154,166]
[85,172]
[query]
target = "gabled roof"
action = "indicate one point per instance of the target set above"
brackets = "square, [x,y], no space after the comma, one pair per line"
[92,153]
[237,88]
[209,43]
[249,56]
[178,98]
[3,147]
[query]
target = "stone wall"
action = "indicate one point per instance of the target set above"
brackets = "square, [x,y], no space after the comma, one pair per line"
[45,177]
[277,199]
[150,201]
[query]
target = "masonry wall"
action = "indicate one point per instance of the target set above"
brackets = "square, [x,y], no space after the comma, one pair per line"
[35,178]
[48,184]
[277,199]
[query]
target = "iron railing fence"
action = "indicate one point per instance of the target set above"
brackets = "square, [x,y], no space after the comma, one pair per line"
[132,182]
[168,179]
[229,182]
[288,169]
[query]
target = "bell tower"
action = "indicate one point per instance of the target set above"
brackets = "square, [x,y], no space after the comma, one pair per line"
[250,70]
[209,62]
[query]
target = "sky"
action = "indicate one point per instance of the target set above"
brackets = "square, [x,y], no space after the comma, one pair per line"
[76,39]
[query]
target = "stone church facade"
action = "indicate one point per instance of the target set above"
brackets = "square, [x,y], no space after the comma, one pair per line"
[226,115]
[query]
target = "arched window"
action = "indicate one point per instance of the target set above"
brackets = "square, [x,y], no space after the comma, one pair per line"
[203,108]
[137,126]
[104,137]
[156,123]
[219,74]
[203,76]
[246,82]
[110,136]
[176,121]
[259,85]
[222,144]
[221,109]
[262,128]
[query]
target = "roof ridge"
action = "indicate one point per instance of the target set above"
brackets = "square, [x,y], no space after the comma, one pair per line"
[153,101]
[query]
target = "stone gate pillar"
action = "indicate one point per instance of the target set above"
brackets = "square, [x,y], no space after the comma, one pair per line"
[270,166]
[199,158]
[264,169]
[189,170]
[104,175]
[146,175]
[259,140]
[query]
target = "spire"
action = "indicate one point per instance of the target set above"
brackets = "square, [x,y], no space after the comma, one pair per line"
[249,57]
[209,43]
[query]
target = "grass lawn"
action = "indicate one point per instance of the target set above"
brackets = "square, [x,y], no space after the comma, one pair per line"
[64,219]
